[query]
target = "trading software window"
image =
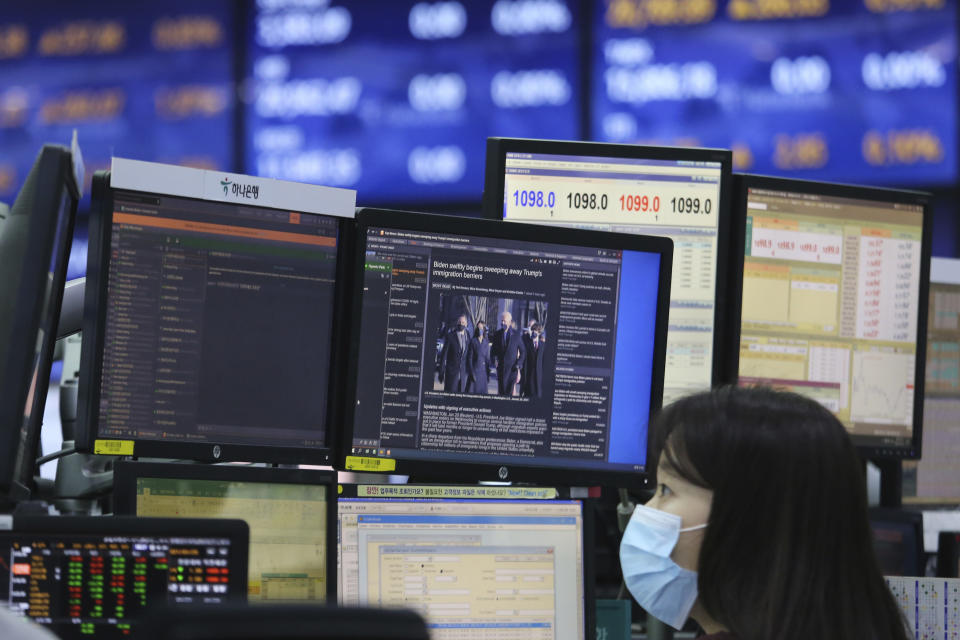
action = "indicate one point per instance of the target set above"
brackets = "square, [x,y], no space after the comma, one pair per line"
[476,569]
[288,528]
[673,198]
[830,298]
[214,311]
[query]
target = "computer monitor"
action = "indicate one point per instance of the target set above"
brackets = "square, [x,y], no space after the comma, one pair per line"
[35,238]
[211,316]
[473,567]
[563,390]
[898,541]
[95,576]
[291,514]
[284,622]
[832,306]
[679,193]
[937,471]
[948,554]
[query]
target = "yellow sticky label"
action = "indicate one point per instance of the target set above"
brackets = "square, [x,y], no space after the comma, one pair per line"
[380,465]
[339,489]
[113,447]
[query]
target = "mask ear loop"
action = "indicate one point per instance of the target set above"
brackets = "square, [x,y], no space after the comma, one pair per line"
[699,526]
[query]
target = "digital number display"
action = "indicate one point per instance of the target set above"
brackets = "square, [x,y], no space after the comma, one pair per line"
[396,98]
[841,90]
[126,78]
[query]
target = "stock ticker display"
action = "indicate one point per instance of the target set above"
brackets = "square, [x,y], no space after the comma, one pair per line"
[125,76]
[396,98]
[840,90]
[86,585]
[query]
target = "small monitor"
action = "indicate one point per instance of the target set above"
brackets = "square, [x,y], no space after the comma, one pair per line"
[948,554]
[833,302]
[679,193]
[211,316]
[96,576]
[285,622]
[35,238]
[898,541]
[291,514]
[487,351]
[473,567]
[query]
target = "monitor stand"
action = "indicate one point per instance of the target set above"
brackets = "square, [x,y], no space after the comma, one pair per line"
[891,482]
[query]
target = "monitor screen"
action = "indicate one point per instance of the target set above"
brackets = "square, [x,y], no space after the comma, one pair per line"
[674,193]
[898,542]
[832,283]
[473,568]
[487,346]
[289,513]
[937,472]
[96,575]
[216,322]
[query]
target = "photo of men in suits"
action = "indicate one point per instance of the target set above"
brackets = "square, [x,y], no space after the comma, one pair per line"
[536,348]
[478,360]
[452,372]
[509,354]
[484,346]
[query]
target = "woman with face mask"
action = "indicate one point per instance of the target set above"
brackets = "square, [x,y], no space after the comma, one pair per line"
[758,529]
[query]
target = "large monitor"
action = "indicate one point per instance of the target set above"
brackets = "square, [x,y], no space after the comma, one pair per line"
[476,568]
[487,351]
[291,514]
[679,193]
[96,576]
[210,315]
[35,238]
[834,285]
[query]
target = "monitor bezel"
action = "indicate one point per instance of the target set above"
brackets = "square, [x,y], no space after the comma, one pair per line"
[55,182]
[429,470]
[742,184]
[236,531]
[587,554]
[127,472]
[495,177]
[91,365]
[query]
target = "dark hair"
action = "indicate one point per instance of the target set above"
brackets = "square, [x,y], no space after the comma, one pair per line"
[477,331]
[536,326]
[788,550]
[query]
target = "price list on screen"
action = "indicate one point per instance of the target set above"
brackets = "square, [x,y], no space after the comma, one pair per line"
[99,585]
[674,198]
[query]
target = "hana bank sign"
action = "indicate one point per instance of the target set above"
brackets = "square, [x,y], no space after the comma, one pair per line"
[240,190]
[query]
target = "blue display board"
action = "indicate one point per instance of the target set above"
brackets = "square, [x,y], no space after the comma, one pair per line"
[841,90]
[146,81]
[396,98]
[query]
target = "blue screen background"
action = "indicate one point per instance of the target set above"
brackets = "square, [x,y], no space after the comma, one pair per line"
[633,364]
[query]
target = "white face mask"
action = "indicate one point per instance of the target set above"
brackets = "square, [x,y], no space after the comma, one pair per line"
[664,589]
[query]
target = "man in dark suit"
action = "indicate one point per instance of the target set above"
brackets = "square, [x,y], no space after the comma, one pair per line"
[453,358]
[533,369]
[508,353]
